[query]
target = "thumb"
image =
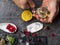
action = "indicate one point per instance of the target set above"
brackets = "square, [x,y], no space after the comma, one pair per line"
[31,3]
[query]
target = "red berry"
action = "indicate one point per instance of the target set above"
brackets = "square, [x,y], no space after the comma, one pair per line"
[26,32]
[33,34]
[52,35]
[47,28]
[10,28]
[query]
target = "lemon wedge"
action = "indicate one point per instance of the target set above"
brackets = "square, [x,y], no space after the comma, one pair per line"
[26,15]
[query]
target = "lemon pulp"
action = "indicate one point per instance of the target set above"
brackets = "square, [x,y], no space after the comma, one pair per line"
[26,15]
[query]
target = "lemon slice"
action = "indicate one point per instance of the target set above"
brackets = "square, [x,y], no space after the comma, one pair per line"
[26,15]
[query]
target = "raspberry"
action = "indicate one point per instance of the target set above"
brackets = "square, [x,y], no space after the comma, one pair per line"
[52,35]
[47,28]
[10,28]
[26,32]
[33,34]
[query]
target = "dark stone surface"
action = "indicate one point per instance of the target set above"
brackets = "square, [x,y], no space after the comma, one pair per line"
[9,12]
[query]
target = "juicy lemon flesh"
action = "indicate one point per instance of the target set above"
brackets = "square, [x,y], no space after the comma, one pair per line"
[26,15]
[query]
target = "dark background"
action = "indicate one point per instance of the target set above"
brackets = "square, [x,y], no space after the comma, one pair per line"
[9,12]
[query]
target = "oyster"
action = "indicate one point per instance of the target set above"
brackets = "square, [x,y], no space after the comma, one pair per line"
[43,12]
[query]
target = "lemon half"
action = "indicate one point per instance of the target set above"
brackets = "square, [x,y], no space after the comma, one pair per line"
[26,15]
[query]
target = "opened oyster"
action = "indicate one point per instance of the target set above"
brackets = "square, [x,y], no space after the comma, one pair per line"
[43,13]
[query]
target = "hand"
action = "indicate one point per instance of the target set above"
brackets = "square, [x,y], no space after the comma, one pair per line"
[51,6]
[24,4]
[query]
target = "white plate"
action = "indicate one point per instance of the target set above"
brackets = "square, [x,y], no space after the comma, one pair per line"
[4,25]
[34,27]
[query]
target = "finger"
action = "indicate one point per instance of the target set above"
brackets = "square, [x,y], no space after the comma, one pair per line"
[51,17]
[36,16]
[39,18]
[31,3]
[27,6]
[42,20]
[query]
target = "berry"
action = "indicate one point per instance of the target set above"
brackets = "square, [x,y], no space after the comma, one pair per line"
[33,34]
[52,35]
[10,28]
[47,28]
[26,32]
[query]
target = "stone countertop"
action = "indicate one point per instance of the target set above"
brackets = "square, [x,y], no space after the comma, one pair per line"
[9,12]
